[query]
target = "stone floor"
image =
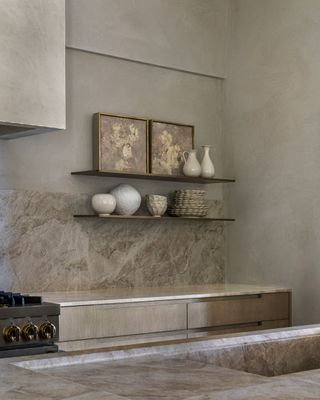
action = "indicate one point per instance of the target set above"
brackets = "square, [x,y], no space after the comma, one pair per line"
[185,370]
[148,378]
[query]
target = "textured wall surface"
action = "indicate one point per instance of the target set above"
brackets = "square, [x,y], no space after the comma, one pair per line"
[32,62]
[272,137]
[97,83]
[43,248]
[185,34]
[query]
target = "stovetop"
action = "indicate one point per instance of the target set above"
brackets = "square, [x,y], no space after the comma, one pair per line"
[27,325]
[10,299]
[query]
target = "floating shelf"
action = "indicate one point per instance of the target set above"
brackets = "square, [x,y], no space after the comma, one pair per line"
[153,177]
[144,217]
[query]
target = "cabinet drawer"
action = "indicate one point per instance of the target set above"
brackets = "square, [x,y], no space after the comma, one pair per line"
[238,310]
[97,321]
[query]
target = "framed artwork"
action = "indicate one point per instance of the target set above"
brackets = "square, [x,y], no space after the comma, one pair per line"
[167,143]
[120,144]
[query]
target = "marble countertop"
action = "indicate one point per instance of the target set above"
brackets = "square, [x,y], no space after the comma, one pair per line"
[147,374]
[125,295]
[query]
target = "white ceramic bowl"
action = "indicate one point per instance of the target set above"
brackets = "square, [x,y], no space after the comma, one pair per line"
[103,203]
[128,199]
[156,204]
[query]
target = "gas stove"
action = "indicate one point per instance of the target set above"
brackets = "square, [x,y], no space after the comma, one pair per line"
[27,325]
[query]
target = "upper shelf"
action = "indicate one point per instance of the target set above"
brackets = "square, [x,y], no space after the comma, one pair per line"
[153,177]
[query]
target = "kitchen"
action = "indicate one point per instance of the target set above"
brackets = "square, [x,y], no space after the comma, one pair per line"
[152,296]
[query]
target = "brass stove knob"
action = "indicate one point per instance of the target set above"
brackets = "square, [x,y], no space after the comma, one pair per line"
[12,333]
[47,330]
[30,332]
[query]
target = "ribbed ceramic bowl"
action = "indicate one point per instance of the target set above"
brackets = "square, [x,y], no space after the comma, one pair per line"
[156,204]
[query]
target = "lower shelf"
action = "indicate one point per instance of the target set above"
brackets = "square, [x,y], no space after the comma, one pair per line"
[148,217]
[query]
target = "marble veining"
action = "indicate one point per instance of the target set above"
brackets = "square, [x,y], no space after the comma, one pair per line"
[143,378]
[43,248]
[226,351]
[266,358]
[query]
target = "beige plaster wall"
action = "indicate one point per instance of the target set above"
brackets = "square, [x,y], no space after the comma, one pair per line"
[184,34]
[272,145]
[98,83]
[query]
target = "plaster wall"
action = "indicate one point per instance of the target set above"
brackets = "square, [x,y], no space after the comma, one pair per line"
[98,83]
[272,144]
[187,35]
[32,63]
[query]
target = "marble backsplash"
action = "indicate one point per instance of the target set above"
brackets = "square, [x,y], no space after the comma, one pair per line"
[43,248]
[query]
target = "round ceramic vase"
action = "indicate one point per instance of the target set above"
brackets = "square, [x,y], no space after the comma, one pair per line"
[128,199]
[103,204]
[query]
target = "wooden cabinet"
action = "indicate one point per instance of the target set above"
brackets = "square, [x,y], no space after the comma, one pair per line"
[238,310]
[132,322]
[98,321]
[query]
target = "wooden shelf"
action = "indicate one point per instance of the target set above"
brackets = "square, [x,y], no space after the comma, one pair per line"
[148,217]
[168,178]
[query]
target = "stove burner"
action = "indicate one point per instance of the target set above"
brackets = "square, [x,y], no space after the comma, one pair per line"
[9,299]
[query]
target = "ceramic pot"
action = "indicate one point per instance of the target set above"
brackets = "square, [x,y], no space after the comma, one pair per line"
[128,199]
[157,205]
[103,204]
[207,167]
[191,164]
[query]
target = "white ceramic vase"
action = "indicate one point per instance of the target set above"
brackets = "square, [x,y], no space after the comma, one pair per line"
[156,204]
[103,204]
[191,164]
[207,167]
[128,199]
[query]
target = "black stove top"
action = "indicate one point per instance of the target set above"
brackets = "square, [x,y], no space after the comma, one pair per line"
[9,299]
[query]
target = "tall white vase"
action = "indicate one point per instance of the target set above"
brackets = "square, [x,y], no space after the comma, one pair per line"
[207,167]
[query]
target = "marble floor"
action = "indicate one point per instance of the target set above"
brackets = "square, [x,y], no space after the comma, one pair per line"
[165,372]
[156,378]
[149,378]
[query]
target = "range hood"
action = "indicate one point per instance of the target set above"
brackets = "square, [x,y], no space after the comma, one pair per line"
[32,67]
[10,131]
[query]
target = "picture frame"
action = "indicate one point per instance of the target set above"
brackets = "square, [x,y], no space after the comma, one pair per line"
[120,143]
[168,141]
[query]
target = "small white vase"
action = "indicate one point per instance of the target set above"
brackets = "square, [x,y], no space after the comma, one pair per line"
[191,164]
[103,204]
[207,167]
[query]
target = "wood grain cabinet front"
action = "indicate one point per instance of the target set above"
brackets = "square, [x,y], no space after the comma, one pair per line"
[98,321]
[239,310]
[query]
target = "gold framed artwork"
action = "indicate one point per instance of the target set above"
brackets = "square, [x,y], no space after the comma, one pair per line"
[120,144]
[167,143]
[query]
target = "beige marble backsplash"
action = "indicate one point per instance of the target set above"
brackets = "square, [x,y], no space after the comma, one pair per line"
[43,248]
